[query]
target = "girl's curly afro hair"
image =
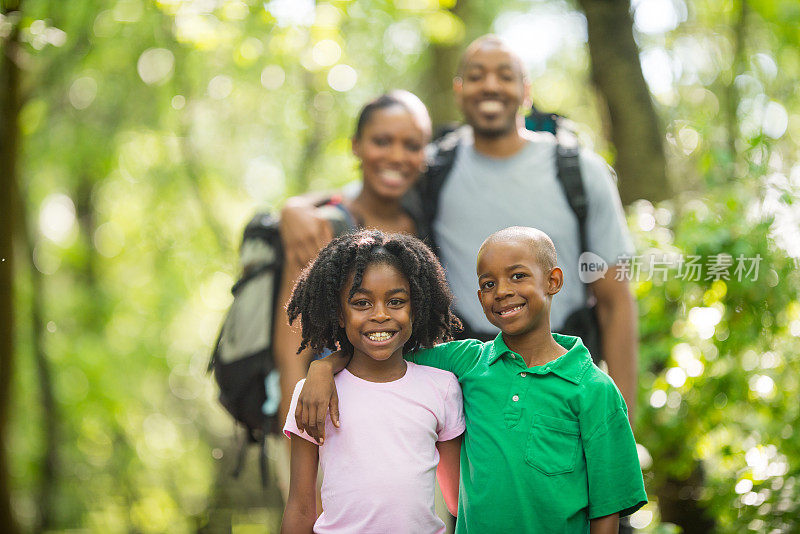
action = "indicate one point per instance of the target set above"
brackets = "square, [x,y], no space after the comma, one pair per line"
[317,294]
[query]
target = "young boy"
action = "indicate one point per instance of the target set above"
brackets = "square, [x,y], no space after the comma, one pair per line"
[548,447]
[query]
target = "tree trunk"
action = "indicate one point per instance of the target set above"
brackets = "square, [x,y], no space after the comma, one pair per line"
[731,92]
[9,115]
[315,135]
[437,91]
[47,485]
[634,126]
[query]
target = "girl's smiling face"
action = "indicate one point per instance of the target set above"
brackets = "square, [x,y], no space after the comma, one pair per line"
[392,151]
[377,318]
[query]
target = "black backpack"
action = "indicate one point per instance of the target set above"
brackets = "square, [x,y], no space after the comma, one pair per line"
[242,361]
[582,322]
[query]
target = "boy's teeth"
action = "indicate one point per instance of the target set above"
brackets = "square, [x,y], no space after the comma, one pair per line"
[490,106]
[379,336]
[506,312]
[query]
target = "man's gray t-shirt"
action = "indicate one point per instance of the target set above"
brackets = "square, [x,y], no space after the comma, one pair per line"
[483,195]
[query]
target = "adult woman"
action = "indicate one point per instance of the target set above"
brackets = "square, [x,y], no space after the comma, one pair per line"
[389,142]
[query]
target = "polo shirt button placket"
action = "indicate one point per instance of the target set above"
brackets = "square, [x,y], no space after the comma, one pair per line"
[515,398]
[523,375]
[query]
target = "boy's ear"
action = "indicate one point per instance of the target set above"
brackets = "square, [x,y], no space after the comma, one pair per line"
[555,281]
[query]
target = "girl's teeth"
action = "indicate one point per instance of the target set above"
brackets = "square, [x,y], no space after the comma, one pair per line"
[379,336]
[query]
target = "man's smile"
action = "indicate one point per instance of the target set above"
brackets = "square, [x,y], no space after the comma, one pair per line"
[491,106]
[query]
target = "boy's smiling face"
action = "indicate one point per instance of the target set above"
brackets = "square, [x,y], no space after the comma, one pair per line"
[515,290]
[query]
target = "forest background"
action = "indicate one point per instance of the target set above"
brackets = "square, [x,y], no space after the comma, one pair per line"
[138,136]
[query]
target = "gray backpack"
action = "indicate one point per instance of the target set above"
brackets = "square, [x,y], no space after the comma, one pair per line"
[242,361]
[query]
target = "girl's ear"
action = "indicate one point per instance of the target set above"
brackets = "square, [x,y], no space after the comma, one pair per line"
[341,318]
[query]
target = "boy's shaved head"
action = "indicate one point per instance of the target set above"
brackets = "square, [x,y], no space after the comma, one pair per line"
[540,243]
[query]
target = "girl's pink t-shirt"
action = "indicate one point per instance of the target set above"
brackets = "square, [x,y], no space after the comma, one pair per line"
[379,468]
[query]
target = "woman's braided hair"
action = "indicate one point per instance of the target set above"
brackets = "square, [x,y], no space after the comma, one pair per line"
[316,296]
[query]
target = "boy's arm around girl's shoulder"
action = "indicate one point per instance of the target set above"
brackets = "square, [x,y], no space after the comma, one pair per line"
[318,396]
[458,357]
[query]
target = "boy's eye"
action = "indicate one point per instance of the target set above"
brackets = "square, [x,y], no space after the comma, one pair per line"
[518,276]
[487,285]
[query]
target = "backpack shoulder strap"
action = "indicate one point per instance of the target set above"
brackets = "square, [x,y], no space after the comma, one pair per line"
[441,157]
[349,222]
[569,176]
[339,217]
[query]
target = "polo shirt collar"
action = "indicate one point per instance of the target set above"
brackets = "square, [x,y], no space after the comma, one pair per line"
[498,348]
[570,366]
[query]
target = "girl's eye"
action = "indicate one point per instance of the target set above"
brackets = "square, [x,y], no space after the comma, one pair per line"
[396,302]
[360,303]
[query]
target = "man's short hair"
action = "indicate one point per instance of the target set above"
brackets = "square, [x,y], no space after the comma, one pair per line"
[490,40]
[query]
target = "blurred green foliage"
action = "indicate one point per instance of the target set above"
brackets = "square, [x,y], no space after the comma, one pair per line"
[153,128]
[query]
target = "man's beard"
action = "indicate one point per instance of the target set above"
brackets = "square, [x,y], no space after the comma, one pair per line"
[494,133]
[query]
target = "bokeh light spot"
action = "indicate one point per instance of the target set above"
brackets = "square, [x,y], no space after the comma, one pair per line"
[155,65]
[655,16]
[272,77]
[220,87]
[676,377]
[342,78]
[326,52]
[658,398]
[743,486]
[108,239]
[641,518]
[775,121]
[57,217]
[82,92]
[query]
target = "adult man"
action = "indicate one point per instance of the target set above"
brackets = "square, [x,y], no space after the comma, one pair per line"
[505,176]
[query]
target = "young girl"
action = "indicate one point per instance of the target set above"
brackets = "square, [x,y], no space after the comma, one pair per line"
[376,296]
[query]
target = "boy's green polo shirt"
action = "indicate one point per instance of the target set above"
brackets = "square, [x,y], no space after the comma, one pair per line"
[547,447]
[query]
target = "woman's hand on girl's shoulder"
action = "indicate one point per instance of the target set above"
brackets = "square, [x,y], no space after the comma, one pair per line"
[317,397]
